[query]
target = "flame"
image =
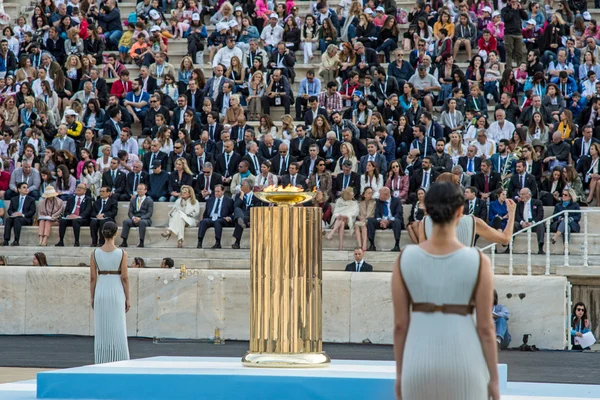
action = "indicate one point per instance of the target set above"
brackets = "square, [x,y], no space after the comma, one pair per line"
[288,188]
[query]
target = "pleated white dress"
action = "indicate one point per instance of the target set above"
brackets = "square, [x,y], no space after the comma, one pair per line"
[465,231]
[443,358]
[110,327]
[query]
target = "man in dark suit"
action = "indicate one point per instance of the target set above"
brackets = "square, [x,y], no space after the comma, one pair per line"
[360,149]
[114,179]
[238,131]
[141,208]
[199,158]
[366,59]
[347,178]
[209,145]
[470,163]
[581,146]
[423,177]
[218,213]
[359,264]
[473,205]
[214,85]
[300,144]
[585,117]
[147,82]
[77,213]
[529,211]
[521,180]
[154,154]
[536,106]
[311,114]
[155,109]
[310,163]
[282,59]
[134,178]
[281,162]
[221,104]
[105,209]
[177,153]
[432,128]
[442,162]
[99,86]
[179,111]
[487,181]
[243,202]
[220,146]
[213,127]
[113,126]
[253,158]
[373,155]
[206,183]
[388,215]
[330,149]
[294,178]
[269,147]
[20,213]
[227,162]
[194,97]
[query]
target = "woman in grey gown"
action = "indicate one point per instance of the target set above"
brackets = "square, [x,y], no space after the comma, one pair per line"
[441,353]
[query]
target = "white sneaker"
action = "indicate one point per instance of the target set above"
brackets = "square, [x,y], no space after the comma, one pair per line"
[200,57]
[490,97]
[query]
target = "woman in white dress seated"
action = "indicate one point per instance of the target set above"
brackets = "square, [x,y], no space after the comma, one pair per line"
[109,287]
[185,212]
[344,214]
[457,365]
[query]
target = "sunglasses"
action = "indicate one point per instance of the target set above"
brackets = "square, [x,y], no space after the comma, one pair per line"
[580,309]
[153,101]
[177,147]
[206,172]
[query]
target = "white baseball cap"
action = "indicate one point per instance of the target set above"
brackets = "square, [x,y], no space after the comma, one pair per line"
[71,112]
[222,25]
[155,28]
[273,15]
[368,11]
[154,14]
[195,17]
[232,23]
[487,10]
[531,22]
[238,8]
[495,13]
[379,9]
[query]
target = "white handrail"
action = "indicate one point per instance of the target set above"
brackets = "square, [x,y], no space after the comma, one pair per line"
[547,222]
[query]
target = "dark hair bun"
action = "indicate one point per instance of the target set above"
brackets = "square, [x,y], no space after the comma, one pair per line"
[109,230]
[442,200]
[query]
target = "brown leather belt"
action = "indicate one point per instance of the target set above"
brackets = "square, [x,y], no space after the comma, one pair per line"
[444,308]
[109,272]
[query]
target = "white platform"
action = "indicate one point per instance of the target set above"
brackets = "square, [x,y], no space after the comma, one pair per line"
[178,378]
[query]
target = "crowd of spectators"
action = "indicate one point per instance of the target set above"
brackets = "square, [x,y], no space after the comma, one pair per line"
[371,131]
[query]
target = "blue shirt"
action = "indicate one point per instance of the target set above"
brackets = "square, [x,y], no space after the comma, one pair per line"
[310,88]
[143,96]
[389,149]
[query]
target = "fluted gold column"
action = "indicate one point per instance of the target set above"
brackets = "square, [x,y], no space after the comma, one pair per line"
[285,288]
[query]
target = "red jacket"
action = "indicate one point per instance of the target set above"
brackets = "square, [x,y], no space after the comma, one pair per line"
[4,180]
[119,90]
[491,45]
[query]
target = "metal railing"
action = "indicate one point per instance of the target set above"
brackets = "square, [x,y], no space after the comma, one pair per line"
[547,221]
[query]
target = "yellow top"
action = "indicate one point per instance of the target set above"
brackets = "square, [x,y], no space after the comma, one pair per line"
[126,39]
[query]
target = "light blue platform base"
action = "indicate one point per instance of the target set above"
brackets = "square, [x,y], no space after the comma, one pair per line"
[187,378]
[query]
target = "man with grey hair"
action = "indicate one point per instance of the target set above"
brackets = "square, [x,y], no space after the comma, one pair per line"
[252,52]
[529,211]
[99,86]
[49,65]
[134,178]
[83,96]
[206,183]
[330,149]
[243,202]
[254,160]
[463,179]
[485,147]
[501,128]
[388,215]
[26,174]
[470,163]
[147,82]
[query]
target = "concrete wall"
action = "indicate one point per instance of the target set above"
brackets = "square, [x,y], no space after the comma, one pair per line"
[357,306]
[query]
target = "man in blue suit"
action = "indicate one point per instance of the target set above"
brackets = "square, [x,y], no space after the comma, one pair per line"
[217,214]
[388,215]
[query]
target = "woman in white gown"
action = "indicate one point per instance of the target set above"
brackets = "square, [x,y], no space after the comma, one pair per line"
[441,353]
[344,214]
[184,213]
[109,286]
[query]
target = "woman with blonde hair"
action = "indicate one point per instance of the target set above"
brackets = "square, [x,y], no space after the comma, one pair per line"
[256,90]
[330,64]
[49,212]
[366,210]
[74,44]
[288,129]
[225,14]
[455,148]
[345,212]
[234,111]
[185,213]
[181,175]
[348,154]
[185,73]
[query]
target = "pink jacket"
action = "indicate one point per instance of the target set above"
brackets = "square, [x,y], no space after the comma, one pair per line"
[497,32]
[288,6]
[261,8]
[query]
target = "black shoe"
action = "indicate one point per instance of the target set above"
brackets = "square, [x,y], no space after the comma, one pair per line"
[141,244]
[123,243]
[94,245]
[199,245]
[14,243]
[76,244]
[396,248]
[541,251]
[60,244]
[235,246]
[216,246]
[372,248]
[5,243]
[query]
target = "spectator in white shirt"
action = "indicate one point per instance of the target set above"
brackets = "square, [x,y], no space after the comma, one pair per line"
[485,147]
[126,142]
[501,128]
[271,34]
[36,86]
[225,54]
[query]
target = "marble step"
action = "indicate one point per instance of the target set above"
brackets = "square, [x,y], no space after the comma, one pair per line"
[384,240]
